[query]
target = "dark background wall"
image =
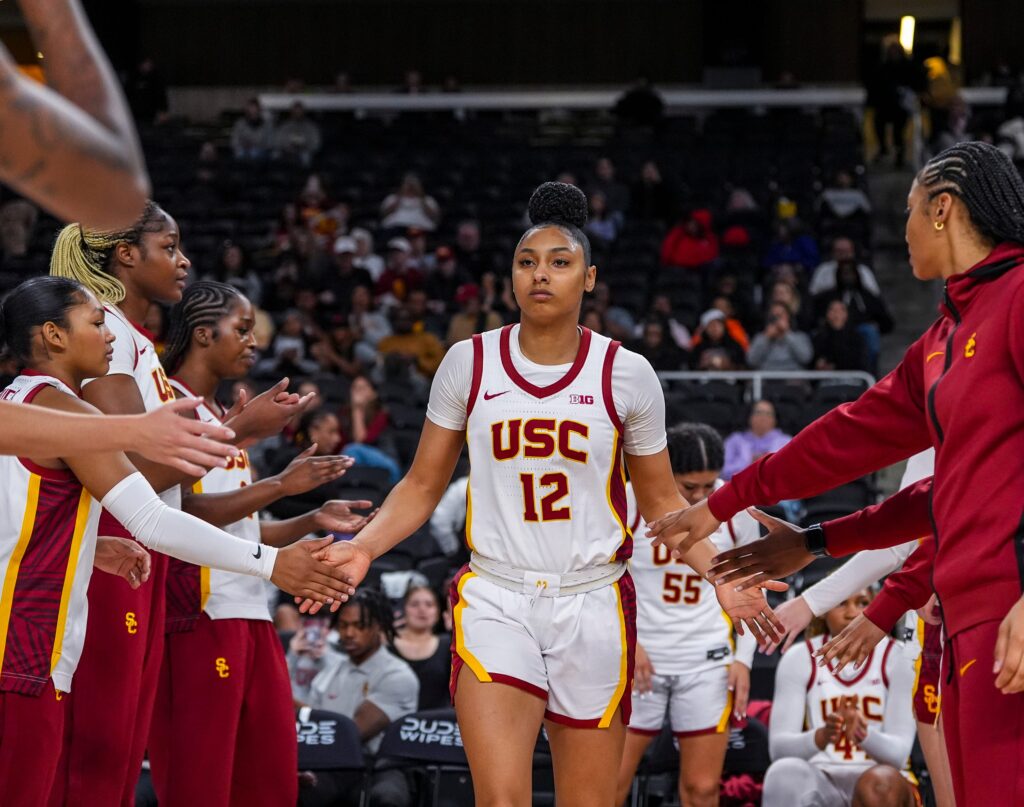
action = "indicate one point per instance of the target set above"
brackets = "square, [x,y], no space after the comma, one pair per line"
[517,41]
[482,41]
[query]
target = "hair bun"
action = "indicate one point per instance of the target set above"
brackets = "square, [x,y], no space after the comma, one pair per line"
[558,203]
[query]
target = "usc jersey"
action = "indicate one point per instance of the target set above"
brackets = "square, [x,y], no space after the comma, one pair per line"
[48,528]
[135,356]
[193,590]
[679,621]
[825,691]
[547,490]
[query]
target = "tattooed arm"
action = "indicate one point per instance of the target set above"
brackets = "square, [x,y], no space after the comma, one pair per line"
[70,147]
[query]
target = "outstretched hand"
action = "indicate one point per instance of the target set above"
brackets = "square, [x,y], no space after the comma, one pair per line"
[349,559]
[795,615]
[750,608]
[853,645]
[681,530]
[780,553]
[184,443]
[337,516]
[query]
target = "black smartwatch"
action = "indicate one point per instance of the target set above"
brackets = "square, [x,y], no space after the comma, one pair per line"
[814,541]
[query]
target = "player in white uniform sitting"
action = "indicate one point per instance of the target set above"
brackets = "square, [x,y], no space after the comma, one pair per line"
[544,612]
[841,739]
[685,657]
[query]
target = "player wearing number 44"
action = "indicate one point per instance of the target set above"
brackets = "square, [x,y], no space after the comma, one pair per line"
[551,413]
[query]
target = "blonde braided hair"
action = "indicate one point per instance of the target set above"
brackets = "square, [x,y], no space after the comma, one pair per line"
[87,255]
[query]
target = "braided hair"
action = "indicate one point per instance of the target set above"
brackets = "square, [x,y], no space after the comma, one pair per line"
[558,204]
[988,184]
[203,304]
[88,255]
[694,447]
[374,611]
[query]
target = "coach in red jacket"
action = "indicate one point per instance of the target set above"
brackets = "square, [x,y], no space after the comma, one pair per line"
[960,387]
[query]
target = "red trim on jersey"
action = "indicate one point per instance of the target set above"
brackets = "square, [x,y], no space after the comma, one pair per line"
[551,389]
[606,385]
[53,474]
[617,497]
[732,533]
[814,667]
[863,670]
[698,733]
[885,658]
[478,372]
[143,330]
[35,390]
[644,732]
[519,683]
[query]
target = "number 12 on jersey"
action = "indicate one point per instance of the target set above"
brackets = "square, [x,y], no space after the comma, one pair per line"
[557,484]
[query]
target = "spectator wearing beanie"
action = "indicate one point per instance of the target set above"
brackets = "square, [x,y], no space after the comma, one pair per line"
[714,348]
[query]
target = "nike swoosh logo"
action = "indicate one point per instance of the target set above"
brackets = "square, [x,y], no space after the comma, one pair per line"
[143,349]
[967,666]
[936,354]
[488,396]
[258,553]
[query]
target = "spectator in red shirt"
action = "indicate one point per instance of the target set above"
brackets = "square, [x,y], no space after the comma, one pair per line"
[691,243]
[399,276]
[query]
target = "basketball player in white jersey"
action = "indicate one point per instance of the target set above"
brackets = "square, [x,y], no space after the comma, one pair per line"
[544,612]
[841,739]
[55,328]
[128,271]
[235,742]
[688,663]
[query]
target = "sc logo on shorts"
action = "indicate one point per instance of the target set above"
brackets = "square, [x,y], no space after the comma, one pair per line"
[131,623]
[221,665]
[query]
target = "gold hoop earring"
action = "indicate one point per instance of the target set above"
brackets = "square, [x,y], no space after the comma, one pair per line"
[939,225]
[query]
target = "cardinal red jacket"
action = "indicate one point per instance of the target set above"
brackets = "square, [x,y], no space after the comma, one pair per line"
[960,387]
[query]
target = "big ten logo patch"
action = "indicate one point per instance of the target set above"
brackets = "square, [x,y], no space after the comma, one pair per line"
[222,668]
[581,400]
[131,623]
[539,438]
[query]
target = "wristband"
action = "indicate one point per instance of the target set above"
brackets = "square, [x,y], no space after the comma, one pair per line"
[814,541]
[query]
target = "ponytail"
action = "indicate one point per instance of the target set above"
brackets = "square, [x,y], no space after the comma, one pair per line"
[87,256]
[31,305]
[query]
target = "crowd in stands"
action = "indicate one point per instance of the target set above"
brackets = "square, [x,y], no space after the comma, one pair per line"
[370,246]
